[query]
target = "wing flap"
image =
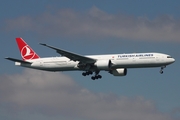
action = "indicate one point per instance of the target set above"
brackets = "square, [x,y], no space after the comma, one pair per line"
[17,60]
[72,56]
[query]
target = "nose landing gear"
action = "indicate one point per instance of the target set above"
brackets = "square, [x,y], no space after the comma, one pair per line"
[161,71]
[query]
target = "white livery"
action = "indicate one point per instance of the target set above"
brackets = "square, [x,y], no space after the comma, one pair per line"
[116,64]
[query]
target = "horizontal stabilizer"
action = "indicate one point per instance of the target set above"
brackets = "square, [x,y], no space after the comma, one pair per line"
[17,60]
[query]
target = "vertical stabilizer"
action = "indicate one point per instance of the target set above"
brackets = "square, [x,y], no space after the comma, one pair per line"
[27,53]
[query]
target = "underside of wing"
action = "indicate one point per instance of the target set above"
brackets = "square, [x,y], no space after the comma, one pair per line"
[17,60]
[72,56]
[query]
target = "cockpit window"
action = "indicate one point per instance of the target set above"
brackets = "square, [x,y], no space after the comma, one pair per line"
[169,57]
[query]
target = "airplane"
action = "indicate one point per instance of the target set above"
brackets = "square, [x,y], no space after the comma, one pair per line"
[115,64]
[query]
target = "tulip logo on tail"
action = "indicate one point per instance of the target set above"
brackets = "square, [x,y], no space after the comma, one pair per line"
[27,53]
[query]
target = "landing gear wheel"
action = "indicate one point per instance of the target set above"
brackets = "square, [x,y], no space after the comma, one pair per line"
[161,72]
[99,76]
[87,73]
[96,77]
[90,72]
[93,78]
[84,74]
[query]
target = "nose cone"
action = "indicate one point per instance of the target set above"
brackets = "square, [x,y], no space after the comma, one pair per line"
[173,60]
[169,59]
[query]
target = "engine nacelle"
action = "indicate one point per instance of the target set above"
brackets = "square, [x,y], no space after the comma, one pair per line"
[119,72]
[103,64]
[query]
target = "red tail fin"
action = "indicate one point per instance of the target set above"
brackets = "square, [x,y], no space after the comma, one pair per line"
[26,51]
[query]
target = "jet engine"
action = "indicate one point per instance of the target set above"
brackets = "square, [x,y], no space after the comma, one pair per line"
[119,72]
[103,64]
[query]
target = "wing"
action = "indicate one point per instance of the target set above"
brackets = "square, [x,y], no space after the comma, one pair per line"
[17,60]
[72,56]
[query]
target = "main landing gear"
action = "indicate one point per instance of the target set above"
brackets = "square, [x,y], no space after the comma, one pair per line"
[87,73]
[97,76]
[161,71]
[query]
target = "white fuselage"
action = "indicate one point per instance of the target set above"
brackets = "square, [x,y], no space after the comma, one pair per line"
[134,60]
